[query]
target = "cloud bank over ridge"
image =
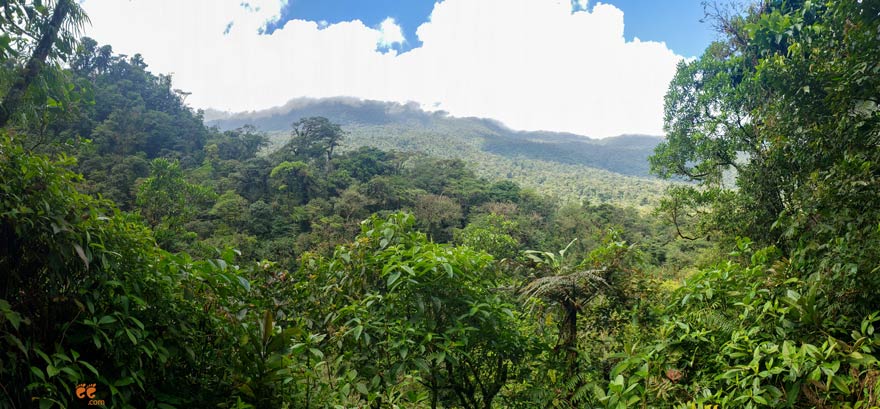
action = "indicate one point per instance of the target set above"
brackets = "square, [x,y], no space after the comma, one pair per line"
[532,64]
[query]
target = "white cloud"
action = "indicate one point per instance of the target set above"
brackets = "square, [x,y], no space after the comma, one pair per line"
[390,33]
[532,64]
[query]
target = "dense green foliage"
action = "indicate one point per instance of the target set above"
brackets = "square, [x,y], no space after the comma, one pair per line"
[175,265]
[789,102]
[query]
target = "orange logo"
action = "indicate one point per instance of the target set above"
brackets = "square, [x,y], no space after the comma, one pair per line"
[87,390]
[83,390]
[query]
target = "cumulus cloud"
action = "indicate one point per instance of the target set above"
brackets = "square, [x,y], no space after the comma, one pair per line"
[390,33]
[532,64]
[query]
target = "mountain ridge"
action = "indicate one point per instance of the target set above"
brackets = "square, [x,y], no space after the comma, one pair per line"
[624,154]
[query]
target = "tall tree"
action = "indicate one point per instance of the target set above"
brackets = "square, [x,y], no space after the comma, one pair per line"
[789,103]
[315,137]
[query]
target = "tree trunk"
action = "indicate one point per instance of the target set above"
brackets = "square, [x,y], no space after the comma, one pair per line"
[13,100]
[568,336]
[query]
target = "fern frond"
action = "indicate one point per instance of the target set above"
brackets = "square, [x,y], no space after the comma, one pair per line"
[572,287]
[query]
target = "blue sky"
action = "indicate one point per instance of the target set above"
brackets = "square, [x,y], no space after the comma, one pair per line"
[596,69]
[676,22]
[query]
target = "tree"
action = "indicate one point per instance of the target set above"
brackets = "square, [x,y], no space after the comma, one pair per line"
[86,295]
[503,191]
[401,303]
[231,209]
[568,289]
[315,137]
[296,180]
[251,178]
[167,201]
[775,108]
[788,102]
[351,204]
[367,162]
[491,233]
[260,219]
[54,35]
[122,178]
[438,215]
[436,175]
[239,144]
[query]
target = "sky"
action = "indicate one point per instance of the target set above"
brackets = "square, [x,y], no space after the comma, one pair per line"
[581,66]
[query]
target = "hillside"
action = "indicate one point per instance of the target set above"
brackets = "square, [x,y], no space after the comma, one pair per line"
[570,166]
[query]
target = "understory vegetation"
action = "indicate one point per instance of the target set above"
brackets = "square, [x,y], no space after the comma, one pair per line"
[172,264]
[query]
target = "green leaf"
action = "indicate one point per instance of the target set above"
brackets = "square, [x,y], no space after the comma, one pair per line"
[362,388]
[268,326]
[44,356]
[36,371]
[137,322]
[245,389]
[17,343]
[69,371]
[52,371]
[392,278]
[124,381]
[131,336]
[244,283]
[448,268]
[840,383]
[13,317]
[107,319]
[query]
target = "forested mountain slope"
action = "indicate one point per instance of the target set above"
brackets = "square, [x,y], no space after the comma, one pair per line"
[571,166]
[625,154]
